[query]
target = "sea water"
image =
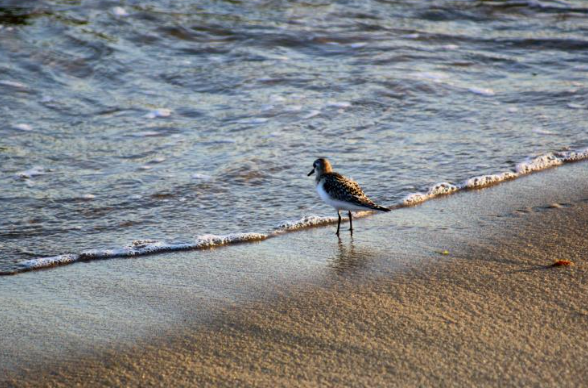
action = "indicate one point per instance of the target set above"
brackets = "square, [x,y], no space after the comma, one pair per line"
[154,126]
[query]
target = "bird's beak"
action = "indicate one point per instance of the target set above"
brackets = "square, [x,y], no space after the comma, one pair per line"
[310,173]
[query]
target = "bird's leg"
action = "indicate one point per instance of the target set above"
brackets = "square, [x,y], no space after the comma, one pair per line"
[350,222]
[339,223]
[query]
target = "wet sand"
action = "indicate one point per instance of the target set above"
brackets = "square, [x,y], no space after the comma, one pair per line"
[386,308]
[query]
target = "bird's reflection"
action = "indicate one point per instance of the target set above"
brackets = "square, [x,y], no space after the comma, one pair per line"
[350,258]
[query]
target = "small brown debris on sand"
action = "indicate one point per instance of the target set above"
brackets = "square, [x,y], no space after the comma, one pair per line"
[562,263]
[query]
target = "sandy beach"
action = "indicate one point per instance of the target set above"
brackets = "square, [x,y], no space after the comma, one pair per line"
[476,302]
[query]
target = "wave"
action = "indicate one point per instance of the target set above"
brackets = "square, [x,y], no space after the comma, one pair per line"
[149,247]
[305,222]
[533,164]
[312,221]
[137,248]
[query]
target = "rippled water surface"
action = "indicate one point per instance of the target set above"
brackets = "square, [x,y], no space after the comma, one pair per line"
[172,119]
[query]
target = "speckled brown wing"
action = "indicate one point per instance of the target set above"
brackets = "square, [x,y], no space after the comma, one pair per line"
[343,189]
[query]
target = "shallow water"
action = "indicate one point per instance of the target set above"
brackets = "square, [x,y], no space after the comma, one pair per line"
[168,120]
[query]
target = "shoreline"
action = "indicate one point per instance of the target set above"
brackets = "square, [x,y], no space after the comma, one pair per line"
[385,308]
[151,247]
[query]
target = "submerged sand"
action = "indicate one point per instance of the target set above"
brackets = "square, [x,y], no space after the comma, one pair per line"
[491,312]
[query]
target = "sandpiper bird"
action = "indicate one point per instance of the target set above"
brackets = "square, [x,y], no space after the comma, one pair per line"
[340,192]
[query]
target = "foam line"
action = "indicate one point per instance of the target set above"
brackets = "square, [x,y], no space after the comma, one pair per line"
[532,164]
[138,248]
[148,247]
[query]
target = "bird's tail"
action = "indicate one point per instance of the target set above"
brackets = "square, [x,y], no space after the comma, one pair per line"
[380,208]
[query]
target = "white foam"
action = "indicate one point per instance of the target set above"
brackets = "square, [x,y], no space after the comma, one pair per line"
[339,104]
[162,112]
[542,131]
[23,127]
[539,163]
[436,76]
[311,114]
[120,12]
[31,172]
[571,105]
[13,84]
[202,177]
[294,108]
[146,134]
[442,188]
[141,247]
[482,91]
[145,247]
[415,198]
[478,182]
[277,57]
[277,98]
[573,156]
[450,47]
[254,120]
[212,240]
[44,262]
[306,222]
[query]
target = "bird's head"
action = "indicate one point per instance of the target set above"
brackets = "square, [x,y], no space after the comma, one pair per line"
[320,166]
